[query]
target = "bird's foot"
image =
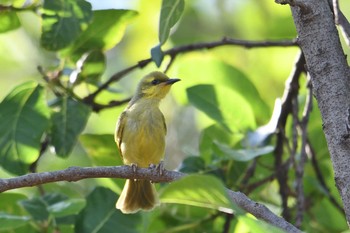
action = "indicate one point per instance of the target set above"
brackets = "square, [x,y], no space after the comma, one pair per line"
[159,167]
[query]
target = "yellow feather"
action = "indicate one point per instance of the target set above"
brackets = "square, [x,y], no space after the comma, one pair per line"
[140,137]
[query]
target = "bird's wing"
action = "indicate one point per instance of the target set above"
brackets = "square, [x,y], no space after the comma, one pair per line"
[118,136]
[165,129]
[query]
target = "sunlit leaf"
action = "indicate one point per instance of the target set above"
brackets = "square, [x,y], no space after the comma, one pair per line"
[11,222]
[102,149]
[8,21]
[63,21]
[101,216]
[243,155]
[258,226]
[9,202]
[104,32]
[199,190]
[204,69]
[169,15]
[24,117]
[67,123]
[225,106]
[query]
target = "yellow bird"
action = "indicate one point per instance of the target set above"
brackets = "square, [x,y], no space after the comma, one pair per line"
[140,137]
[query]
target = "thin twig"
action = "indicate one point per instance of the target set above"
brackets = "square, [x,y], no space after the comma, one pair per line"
[189,48]
[312,154]
[249,173]
[300,166]
[290,92]
[341,20]
[228,220]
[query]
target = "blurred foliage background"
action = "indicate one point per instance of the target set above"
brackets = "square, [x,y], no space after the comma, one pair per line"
[213,114]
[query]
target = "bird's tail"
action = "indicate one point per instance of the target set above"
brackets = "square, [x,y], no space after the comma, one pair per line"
[136,195]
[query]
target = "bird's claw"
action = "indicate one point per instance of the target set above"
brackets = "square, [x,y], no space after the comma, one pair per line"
[134,167]
[159,167]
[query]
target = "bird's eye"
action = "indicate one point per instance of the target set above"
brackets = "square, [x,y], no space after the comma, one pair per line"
[155,81]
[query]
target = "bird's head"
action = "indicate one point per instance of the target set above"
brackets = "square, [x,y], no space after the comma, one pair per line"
[155,85]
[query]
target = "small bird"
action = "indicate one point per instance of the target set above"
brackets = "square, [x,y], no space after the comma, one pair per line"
[140,137]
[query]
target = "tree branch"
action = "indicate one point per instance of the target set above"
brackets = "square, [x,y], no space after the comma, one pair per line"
[189,48]
[126,172]
[329,72]
[299,171]
[290,93]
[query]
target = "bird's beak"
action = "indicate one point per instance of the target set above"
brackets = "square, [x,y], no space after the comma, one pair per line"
[172,81]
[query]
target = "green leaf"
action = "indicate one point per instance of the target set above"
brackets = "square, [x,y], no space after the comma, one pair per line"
[37,207]
[102,149]
[242,155]
[205,69]
[63,21]
[225,106]
[8,21]
[258,226]
[192,164]
[24,117]
[157,55]
[199,190]
[9,202]
[10,222]
[66,207]
[169,15]
[67,124]
[94,64]
[104,32]
[101,216]
[212,134]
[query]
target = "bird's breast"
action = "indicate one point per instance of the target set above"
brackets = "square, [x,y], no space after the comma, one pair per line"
[143,140]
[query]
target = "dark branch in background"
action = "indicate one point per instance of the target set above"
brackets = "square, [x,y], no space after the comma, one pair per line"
[311,153]
[33,167]
[126,172]
[300,166]
[290,92]
[341,20]
[90,99]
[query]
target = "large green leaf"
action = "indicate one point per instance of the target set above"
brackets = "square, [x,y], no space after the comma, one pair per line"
[215,134]
[38,207]
[101,216]
[9,202]
[67,123]
[8,21]
[169,15]
[102,149]
[66,207]
[10,222]
[204,69]
[24,117]
[224,105]
[104,32]
[242,155]
[63,21]
[199,190]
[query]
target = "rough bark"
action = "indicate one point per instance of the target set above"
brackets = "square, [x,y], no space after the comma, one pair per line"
[78,173]
[329,71]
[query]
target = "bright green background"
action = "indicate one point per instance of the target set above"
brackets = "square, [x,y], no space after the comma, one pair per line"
[224,94]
